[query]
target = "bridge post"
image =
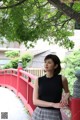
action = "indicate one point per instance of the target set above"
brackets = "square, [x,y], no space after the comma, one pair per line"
[18,74]
[75,102]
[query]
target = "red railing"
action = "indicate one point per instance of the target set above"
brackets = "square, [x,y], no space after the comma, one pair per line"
[20,82]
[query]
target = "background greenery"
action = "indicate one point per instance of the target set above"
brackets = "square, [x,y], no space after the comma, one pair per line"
[35,19]
[14,57]
[72,63]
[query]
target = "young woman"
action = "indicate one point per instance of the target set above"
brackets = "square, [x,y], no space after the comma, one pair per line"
[47,94]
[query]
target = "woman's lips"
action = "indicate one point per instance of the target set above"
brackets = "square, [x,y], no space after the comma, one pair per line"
[46,67]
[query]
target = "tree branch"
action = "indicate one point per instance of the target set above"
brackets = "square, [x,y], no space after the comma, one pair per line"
[71,4]
[14,5]
[66,10]
[64,22]
[56,17]
[43,5]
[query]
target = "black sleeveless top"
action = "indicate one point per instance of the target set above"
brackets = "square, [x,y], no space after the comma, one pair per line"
[50,89]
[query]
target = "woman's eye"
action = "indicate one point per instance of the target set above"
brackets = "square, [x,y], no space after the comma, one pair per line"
[49,62]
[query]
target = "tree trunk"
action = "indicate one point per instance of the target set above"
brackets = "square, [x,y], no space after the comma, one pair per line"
[66,10]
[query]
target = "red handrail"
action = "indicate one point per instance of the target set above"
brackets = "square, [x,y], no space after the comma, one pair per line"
[20,82]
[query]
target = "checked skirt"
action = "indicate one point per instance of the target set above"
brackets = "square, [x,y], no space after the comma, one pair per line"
[46,114]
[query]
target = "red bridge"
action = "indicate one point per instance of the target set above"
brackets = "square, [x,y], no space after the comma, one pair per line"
[21,83]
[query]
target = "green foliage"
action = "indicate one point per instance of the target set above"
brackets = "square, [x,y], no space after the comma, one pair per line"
[72,64]
[12,54]
[14,63]
[15,57]
[30,21]
[7,66]
[76,6]
[26,58]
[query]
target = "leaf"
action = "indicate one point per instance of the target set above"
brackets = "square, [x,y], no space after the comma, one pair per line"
[30,22]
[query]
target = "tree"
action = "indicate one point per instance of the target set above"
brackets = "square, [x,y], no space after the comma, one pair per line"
[72,65]
[68,7]
[27,21]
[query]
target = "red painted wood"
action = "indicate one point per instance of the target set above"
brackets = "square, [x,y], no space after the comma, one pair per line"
[75,108]
[20,82]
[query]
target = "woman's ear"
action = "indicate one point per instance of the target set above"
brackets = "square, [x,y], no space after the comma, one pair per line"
[56,66]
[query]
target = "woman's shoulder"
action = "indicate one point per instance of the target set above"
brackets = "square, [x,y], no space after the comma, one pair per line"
[63,78]
[42,77]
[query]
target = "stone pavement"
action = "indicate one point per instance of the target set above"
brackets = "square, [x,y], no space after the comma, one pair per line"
[11,107]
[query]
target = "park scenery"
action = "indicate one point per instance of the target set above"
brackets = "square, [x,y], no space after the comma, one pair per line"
[30,30]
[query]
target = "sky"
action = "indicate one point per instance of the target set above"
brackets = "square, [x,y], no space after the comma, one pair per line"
[76,38]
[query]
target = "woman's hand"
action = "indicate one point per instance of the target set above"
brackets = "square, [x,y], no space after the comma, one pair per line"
[58,105]
[64,101]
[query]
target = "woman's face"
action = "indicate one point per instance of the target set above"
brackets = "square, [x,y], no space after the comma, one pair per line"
[49,65]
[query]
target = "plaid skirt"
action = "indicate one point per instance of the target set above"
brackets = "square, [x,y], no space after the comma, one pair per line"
[46,114]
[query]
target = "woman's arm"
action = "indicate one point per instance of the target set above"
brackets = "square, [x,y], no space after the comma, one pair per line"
[42,103]
[66,89]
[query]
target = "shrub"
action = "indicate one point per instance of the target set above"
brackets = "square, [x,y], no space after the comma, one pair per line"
[12,54]
[26,58]
[14,63]
[14,59]
[8,65]
[72,63]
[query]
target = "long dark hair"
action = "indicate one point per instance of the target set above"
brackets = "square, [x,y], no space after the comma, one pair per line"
[56,61]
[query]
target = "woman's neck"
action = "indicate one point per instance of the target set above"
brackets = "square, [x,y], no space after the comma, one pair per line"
[49,74]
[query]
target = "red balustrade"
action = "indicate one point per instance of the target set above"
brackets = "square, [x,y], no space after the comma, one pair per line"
[20,82]
[75,108]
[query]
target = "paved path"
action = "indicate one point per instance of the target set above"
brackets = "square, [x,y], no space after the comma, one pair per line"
[12,105]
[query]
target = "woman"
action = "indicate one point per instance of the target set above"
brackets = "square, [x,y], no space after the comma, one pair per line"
[47,94]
